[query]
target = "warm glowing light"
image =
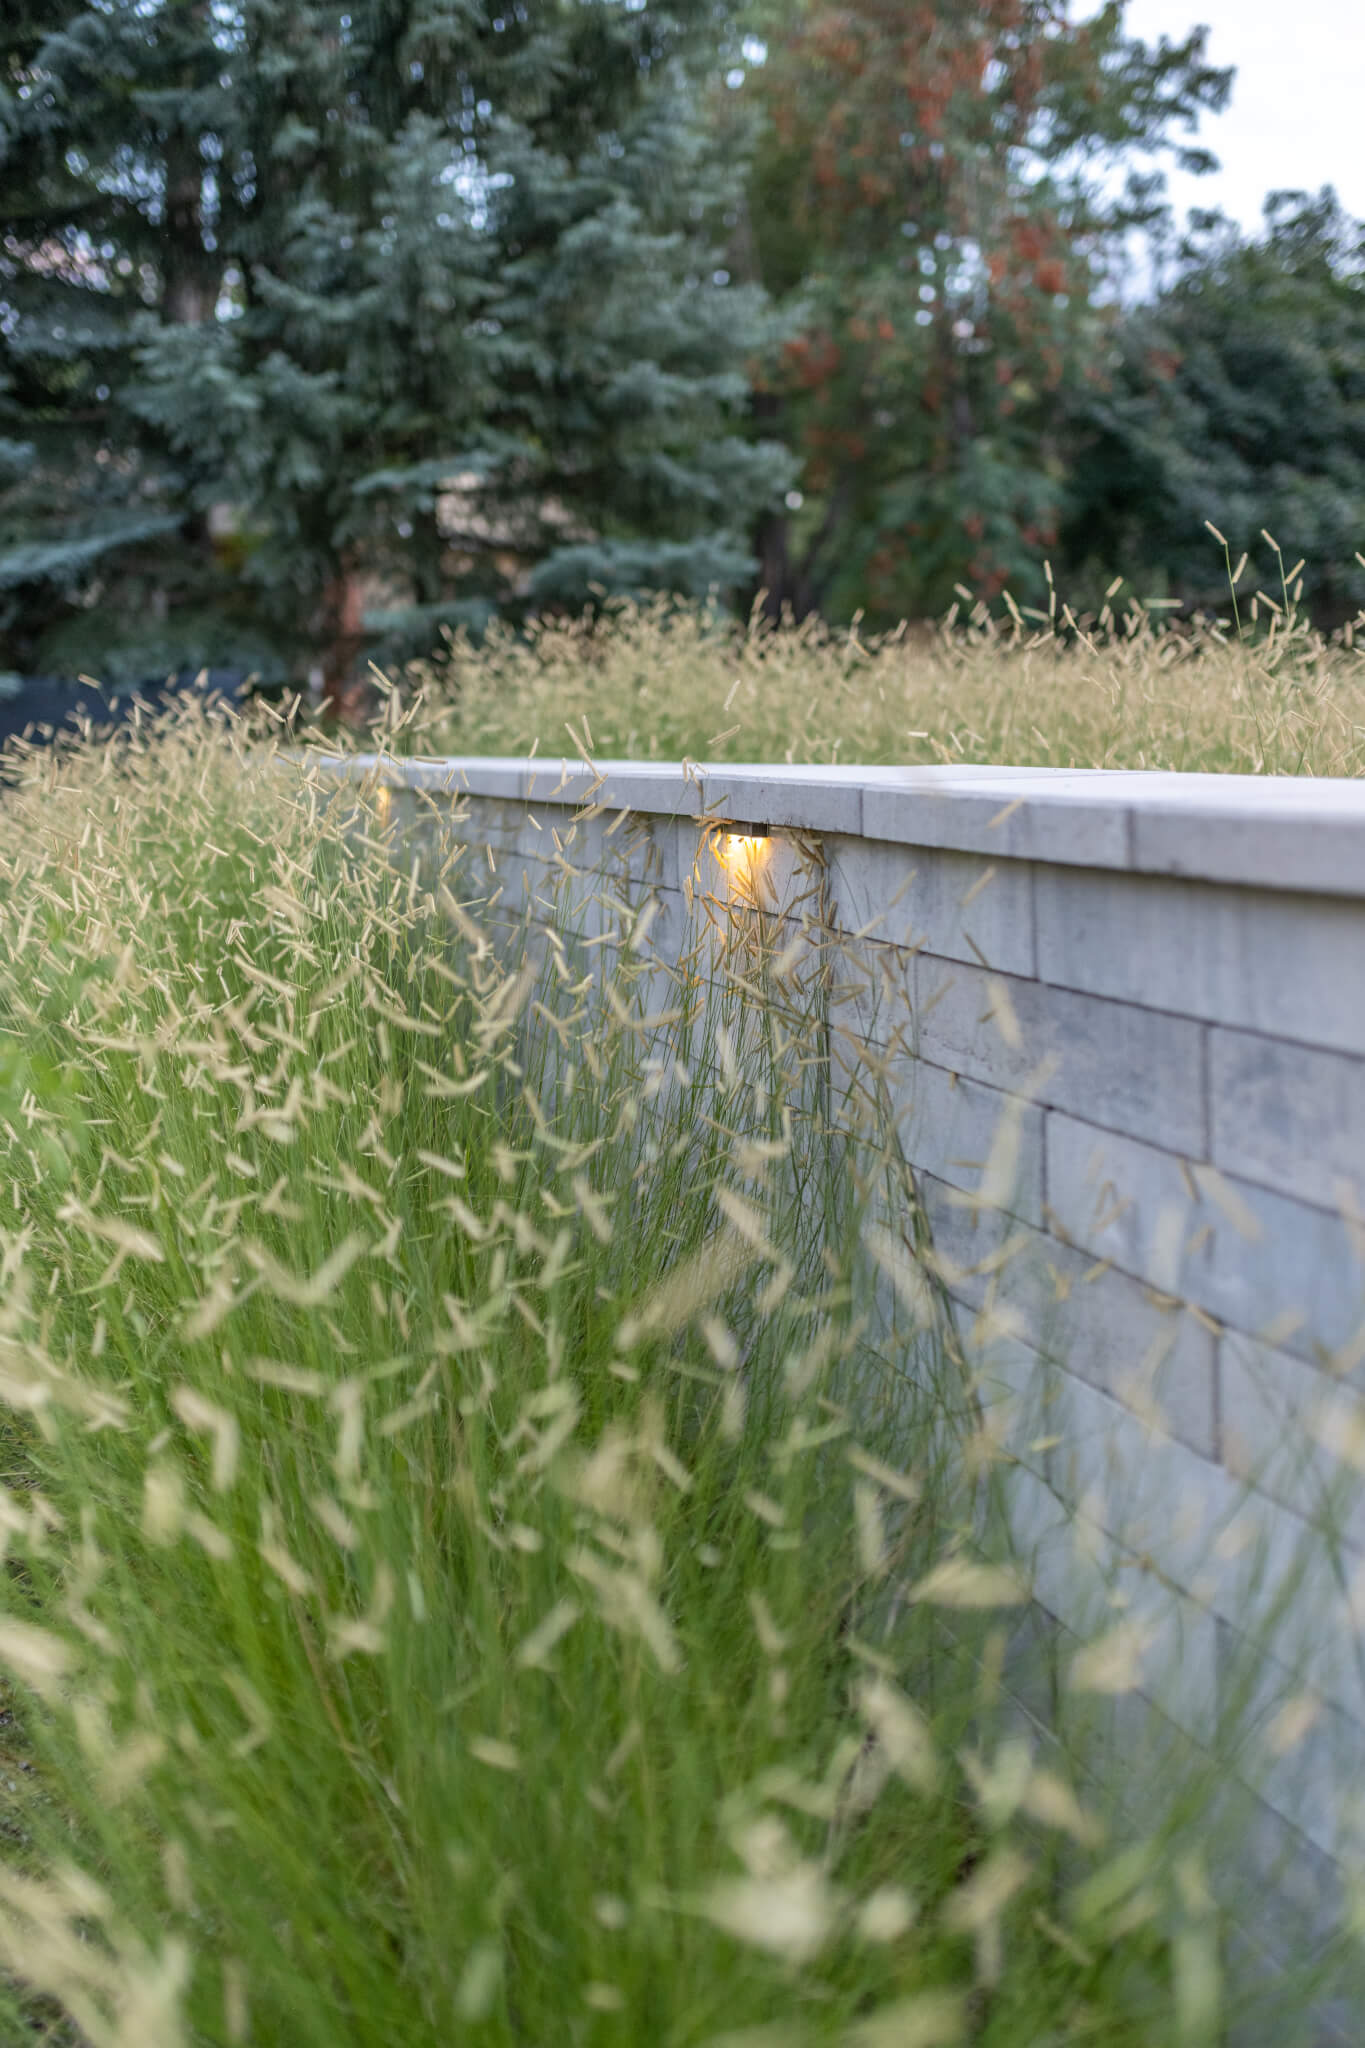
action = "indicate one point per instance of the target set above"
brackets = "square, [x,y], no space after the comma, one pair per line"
[743,848]
[740,849]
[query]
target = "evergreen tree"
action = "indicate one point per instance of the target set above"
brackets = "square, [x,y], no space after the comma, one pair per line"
[1237,398]
[275,272]
[624,379]
[96,110]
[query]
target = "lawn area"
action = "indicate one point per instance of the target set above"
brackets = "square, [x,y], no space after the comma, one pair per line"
[472,1573]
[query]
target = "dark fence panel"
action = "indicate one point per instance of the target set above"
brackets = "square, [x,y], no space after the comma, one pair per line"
[45,705]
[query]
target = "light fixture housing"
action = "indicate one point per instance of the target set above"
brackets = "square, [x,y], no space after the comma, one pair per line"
[737,828]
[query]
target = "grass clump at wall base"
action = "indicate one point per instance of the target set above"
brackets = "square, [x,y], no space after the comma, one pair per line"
[1128,689]
[465,1578]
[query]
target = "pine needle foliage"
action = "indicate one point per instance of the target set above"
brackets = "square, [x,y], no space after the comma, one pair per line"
[277,274]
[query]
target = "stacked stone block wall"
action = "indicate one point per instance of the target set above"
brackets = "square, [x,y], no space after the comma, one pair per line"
[1154,987]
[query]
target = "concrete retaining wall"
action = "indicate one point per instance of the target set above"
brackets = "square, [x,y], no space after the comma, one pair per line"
[1154,987]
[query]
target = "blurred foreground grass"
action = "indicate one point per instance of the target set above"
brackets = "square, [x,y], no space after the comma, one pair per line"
[470,1573]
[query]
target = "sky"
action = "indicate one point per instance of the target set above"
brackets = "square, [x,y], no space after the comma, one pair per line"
[1297,110]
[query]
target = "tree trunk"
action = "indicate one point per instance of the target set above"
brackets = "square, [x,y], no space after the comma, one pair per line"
[189,270]
[190,288]
[783,582]
[799,586]
[344,693]
[428,577]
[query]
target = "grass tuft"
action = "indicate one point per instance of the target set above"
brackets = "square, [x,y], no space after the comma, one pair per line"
[1129,688]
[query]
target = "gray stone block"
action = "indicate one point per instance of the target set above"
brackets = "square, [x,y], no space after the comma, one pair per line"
[587,903]
[1302,1758]
[482,775]
[1258,959]
[815,799]
[1006,813]
[986,1145]
[1037,1530]
[1295,1433]
[1298,1280]
[872,992]
[572,836]
[1287,1115]
[663,837]
[1126,1201]
[1132,1070]
[1081,1578]
[1102,1325]
[519,891]
[1012,1387]
[486,821]
[955,904]
[623,845]
[1231,1552]
[1234,1552]
[1154,1495]
[1274,831]
[1276,1884]
[1262,1263]
[663,789]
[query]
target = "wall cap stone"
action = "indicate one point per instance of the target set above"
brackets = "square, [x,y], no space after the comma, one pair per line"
[1299,833]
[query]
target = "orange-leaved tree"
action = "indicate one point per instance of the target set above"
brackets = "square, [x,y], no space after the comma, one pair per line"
[938,200]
